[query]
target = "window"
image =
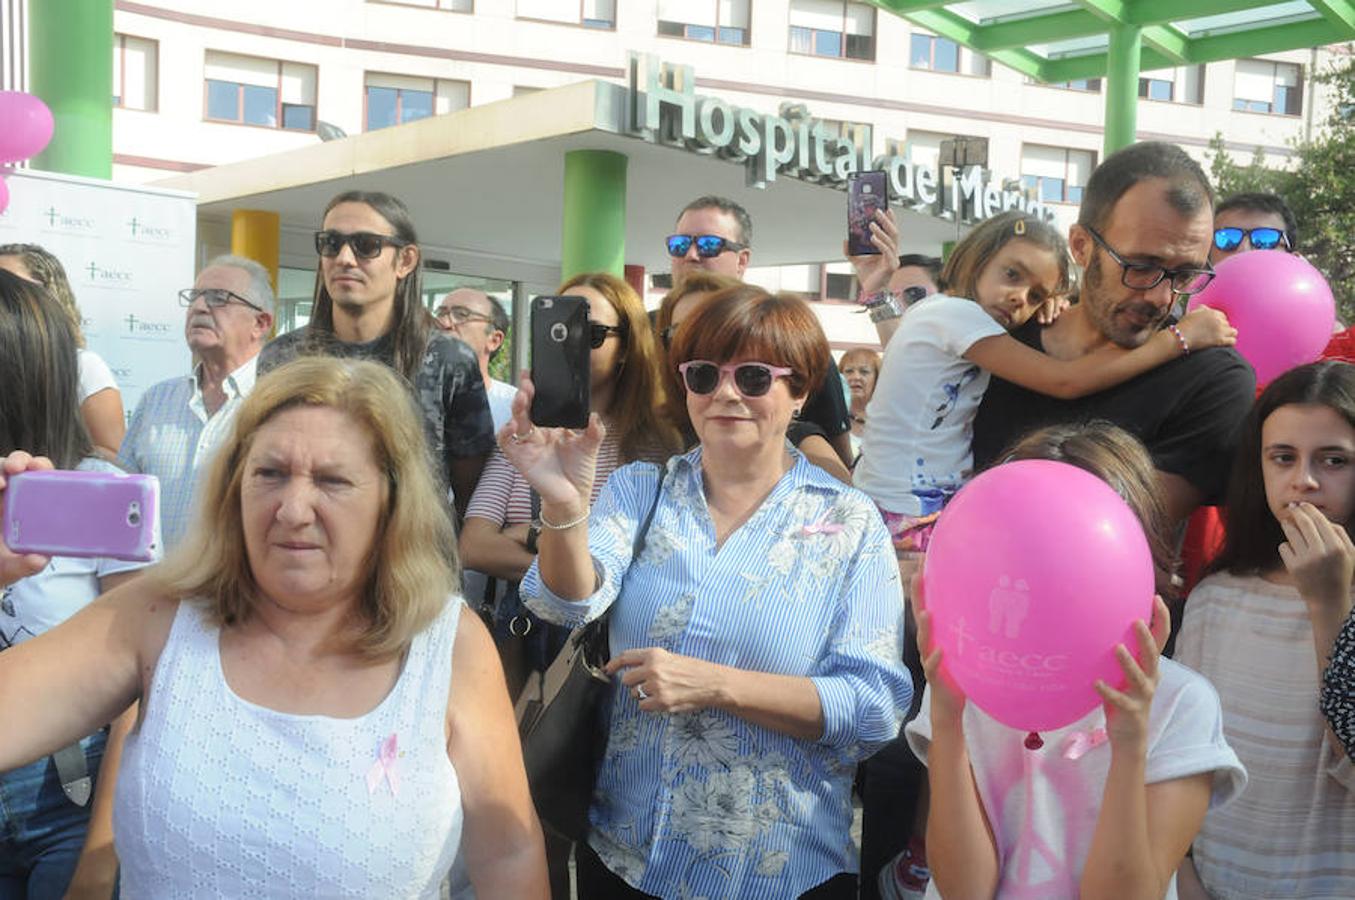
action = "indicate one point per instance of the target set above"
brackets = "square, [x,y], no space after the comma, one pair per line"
[135,68]
[715,21]
[1056,174]
[1180,85]
[452,5]
[832,28]
[938,54]
[588,13]
[265,92]
[396,99]
[1089,85]
[1262,86]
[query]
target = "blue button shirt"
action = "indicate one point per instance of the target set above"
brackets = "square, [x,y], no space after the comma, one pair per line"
[707,803]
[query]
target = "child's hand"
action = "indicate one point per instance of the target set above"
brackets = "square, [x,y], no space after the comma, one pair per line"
[1320,556]
[1127,710]
[1205,327]
[1051,309]
[948,700]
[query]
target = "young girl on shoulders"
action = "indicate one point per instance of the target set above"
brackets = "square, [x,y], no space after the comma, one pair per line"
[1106,807]
[919,424]
[1262,627]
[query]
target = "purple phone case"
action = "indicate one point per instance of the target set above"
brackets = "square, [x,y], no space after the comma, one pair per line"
[866,193]
[68,513]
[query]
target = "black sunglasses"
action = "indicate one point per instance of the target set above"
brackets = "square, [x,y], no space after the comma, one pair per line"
[215,298]
[751,379]
[365,244]
[1229,239]
[707,245]
[597,333]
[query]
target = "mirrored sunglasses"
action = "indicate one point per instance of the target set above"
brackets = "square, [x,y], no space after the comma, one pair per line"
[707,245]
[1229,239]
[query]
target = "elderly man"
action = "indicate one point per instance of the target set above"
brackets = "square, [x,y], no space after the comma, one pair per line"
[481,322]
[715,234]
[180,421]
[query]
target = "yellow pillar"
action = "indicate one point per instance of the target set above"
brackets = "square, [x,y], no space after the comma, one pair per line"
[254,235]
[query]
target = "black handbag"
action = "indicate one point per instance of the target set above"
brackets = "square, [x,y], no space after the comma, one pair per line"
[560,715]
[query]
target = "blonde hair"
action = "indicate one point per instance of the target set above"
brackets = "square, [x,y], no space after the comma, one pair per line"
[413,564]
[639,394]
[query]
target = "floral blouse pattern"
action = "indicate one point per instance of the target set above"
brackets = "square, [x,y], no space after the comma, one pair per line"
[707,804]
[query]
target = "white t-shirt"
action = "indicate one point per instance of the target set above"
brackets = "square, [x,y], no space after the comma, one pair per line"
[1043,805]
[920,421]
[95,375]
[501,396]
[35,604]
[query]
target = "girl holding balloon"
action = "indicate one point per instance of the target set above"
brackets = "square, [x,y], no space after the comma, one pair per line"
[1107,803]
[919,424]
[1262,629]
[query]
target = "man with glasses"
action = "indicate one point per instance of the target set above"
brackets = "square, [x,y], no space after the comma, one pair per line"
[369,305]
[1256,221]
[715,234]
[481,322]
[179,422]
[1143,239]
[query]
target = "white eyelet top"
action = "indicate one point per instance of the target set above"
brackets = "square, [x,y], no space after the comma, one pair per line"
[220,797]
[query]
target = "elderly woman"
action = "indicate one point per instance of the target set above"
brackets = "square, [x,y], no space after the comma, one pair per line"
[318,716]
[755,642]
[859,366]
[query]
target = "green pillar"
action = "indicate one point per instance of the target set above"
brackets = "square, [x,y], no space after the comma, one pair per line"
[1122,86]
[593,237]
[70,51]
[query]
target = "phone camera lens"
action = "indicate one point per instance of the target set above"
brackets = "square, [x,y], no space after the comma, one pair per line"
[134,515]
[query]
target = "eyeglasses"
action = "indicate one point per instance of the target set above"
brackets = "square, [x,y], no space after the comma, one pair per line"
[751,379]
[215,298]
[1229,239]
[913,293]
[1145,276]
[707,245]
[460,314]
[597,333]
[365,244]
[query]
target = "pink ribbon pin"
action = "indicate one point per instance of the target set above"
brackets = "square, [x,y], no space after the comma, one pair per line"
[821,527]
[1077,744]
[384,767]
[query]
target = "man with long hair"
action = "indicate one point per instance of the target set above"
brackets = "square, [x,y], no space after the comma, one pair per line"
[369,305]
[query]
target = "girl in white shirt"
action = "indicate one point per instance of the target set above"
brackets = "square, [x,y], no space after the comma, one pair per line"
[1108,805]
[1262,628]
[919,424]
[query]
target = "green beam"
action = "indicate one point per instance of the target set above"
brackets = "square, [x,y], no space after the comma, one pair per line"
[593,233]
[1096,65]
[1113,11]
[1340,13]
[70,47]
[1122,86]
[1169,42]
[962,31]
[1038,30]
[1159,12]
[1273,39]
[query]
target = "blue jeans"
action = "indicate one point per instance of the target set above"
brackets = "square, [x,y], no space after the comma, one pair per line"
[41,831]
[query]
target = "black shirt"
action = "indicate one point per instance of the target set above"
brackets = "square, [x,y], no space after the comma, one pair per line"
[826,406]
[1186,412]
[448,387]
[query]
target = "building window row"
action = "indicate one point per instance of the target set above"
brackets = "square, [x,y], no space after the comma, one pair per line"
[269,93]
[836,28]
[712,21]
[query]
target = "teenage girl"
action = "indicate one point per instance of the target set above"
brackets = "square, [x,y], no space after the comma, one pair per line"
[919,424]
[1107,806]
[1262,627]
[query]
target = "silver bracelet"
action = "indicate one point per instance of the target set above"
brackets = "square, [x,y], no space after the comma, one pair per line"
[565,526]
[884,310]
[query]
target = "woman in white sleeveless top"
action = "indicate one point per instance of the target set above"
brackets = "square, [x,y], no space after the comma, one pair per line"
[318,717]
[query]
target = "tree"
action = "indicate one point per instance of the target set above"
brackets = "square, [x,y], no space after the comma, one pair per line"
[1319,188]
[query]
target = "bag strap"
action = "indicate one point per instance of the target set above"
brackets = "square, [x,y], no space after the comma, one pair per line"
[640,536]
[593,635]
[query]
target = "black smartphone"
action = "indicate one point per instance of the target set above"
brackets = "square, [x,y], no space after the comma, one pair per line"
[866,193]
[560,349]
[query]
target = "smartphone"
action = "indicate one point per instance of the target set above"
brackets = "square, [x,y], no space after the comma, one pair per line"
[67,513]
[866,193]
[560,370]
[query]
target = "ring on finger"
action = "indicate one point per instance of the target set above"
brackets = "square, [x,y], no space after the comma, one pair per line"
[518,438]
[640,692]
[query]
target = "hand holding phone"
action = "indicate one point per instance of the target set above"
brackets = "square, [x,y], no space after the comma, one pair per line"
[84,514]
[560,362]
[867,192]
[14,566]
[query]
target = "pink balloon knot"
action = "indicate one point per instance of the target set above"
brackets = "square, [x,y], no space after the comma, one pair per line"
[1034,741]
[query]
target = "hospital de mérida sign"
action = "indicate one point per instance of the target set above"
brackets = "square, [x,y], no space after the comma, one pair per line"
[663,107]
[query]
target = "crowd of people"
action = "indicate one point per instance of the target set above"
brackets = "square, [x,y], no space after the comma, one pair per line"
[369,547]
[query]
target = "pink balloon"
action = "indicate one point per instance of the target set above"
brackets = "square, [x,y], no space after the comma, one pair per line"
[4,194]
[25,126]
[1280,305]
[1035,572]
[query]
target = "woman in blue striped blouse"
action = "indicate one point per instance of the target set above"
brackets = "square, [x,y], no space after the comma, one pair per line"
[756,640]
